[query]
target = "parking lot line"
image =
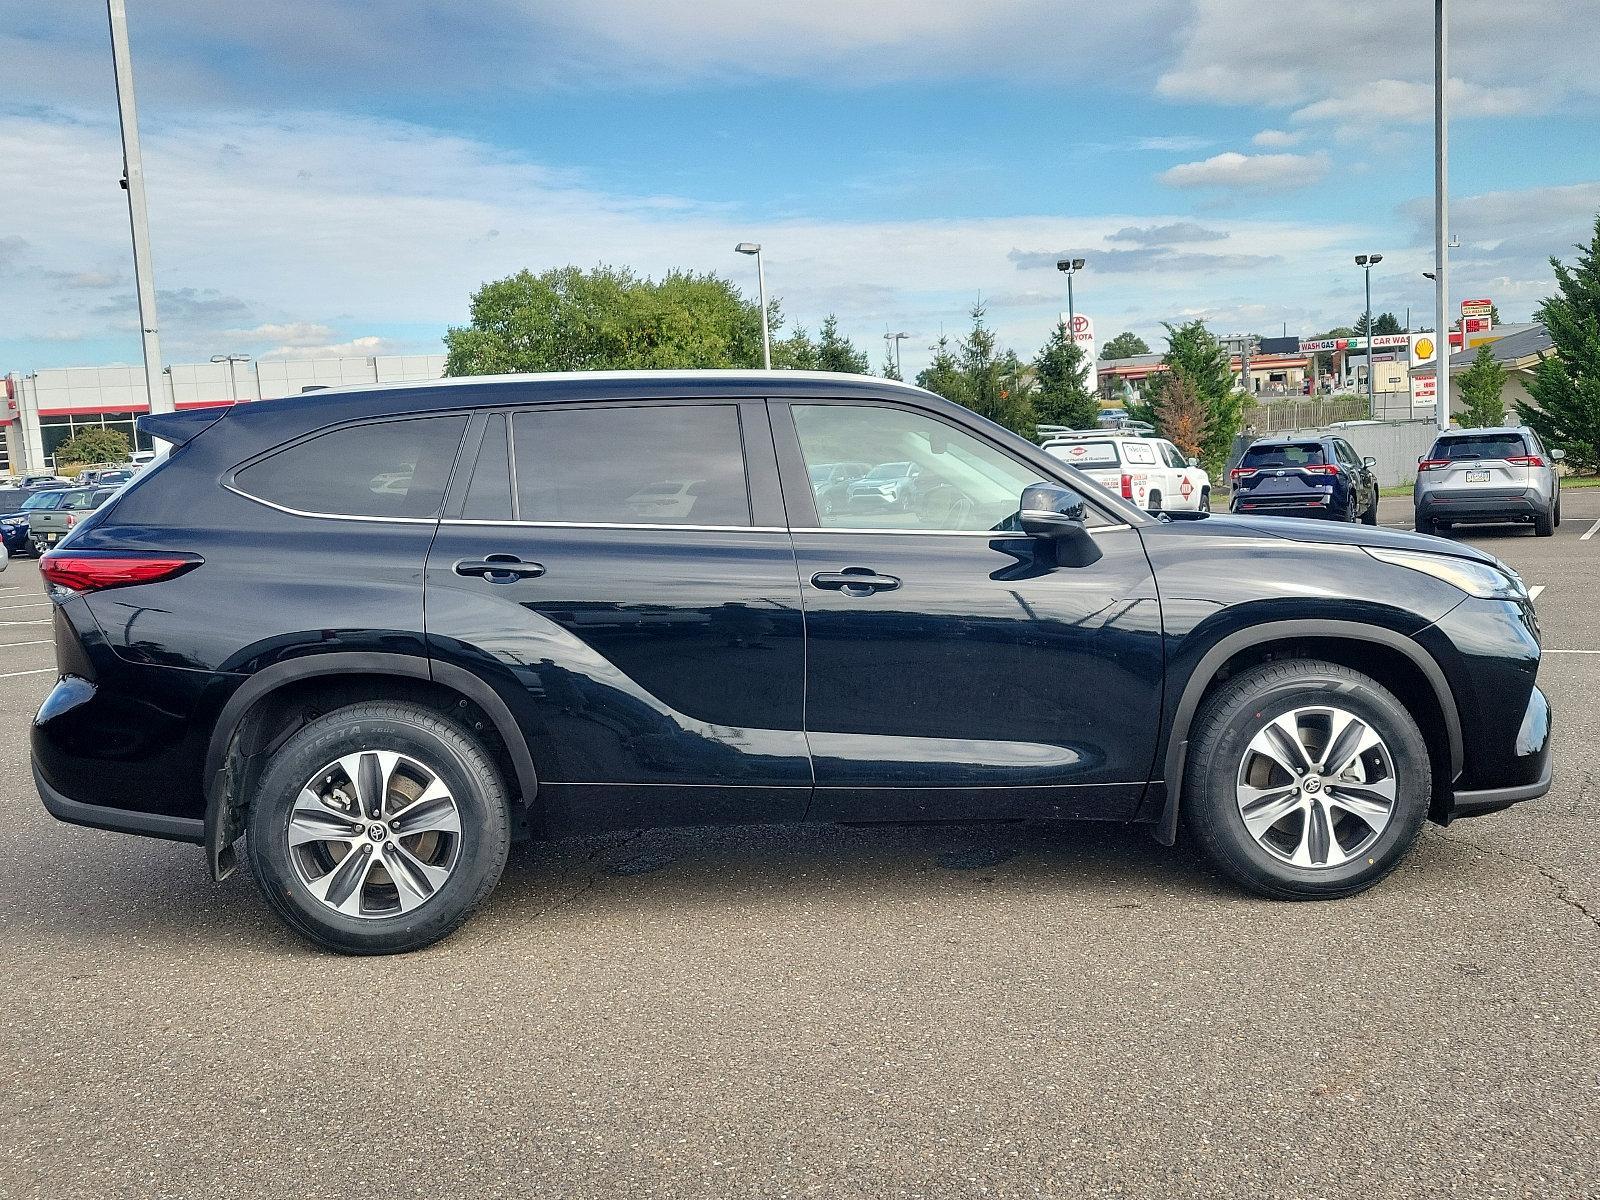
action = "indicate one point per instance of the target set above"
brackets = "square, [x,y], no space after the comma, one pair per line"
[29,604]
[40,642]
[1570,652]
[1593,529]
[17,674]
[24,622]
[1533,592]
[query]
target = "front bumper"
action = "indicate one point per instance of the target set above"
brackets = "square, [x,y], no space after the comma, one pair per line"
[1534,736]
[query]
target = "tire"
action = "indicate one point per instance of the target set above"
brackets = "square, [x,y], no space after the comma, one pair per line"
[1283,863]
[456,868]
[1205,500]
[1370,517]
[1558,508]
[1544,524]
[1155,502]
[1424,524]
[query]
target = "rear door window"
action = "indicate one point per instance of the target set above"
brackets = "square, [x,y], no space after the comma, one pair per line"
[382,469]
[1293,454]
[1138,453]
[671,464]
[1480,445]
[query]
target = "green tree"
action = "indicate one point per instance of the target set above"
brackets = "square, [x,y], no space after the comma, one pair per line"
[1565,388]
[942,376]
[1197,357]
[1061,371]
[1124,345]
[835,352]
[992,380]
[891,370]
[1482,392]
[1387,323]
[797,352]
[568,319]
[94,446]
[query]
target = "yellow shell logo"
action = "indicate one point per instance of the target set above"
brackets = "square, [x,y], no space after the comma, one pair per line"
[1424,349]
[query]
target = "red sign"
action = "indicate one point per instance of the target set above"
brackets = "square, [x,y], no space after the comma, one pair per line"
[1080,324]
[1186,488]
[1477,308]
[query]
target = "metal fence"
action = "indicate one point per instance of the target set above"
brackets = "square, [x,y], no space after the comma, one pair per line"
[1302,412]
[1396,445]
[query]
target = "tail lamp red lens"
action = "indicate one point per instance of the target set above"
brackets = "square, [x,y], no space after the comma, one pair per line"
[1127,487]
[1321,469]
[1527,460]
[95,571]
[1433,464]
[1241,473]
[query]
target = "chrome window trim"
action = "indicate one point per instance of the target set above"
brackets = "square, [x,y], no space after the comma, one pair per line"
[322,516]
[990,534]
[641,525]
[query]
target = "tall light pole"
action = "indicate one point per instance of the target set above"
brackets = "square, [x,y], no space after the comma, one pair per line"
[1366,262]
[761,285]
[1071,266]
[230,359]
[138,214]
[1441,213]
[894,340]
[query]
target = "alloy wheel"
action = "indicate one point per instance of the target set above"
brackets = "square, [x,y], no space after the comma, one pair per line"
[374,834]
[1316,787]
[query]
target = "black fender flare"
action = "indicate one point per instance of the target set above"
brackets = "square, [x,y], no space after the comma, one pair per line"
[333,664]
[1211,662]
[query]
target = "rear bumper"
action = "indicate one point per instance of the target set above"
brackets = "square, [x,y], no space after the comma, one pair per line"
[1308,506]
[118,820]
[1498,504]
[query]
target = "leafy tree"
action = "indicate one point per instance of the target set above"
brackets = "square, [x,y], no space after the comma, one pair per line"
[1193,354]
[797,352]
[942,376]
[1124,345]
[993,380]
[1482,391]
[94,446]
[836,352]
[1184,417]
[1063,396]
[568,319]
[1565,388]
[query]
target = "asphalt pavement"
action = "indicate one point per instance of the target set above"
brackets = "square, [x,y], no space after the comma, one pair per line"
[957,1011]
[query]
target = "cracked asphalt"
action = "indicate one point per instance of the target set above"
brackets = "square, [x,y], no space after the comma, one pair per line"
[818,1012]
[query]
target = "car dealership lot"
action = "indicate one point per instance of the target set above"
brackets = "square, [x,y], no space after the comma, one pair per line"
[932,1011]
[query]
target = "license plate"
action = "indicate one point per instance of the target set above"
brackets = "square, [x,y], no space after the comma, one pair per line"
[1477,477]
[51,538]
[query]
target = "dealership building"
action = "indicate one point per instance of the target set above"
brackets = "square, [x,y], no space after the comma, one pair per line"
[41,410]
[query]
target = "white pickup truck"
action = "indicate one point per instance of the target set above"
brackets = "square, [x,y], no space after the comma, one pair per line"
[1151,472]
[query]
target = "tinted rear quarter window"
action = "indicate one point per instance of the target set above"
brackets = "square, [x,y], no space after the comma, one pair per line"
[670,464]
[381,469]
[1294,454]
[1480,445]
[1085,454]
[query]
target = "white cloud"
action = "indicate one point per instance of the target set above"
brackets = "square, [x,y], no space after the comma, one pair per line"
[1249,172]
[292,333]
[1276,139]
[1396,100]
[361,347]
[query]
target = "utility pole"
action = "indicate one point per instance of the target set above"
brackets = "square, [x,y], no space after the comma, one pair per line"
[1441,211]
[138,214]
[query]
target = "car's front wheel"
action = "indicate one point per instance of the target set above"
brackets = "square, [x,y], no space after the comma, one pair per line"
[378,828]
[1306,780]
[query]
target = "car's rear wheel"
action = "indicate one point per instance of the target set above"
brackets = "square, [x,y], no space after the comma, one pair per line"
[378,828]
[1544,524]
[1370,517]
[1306,780]
[1205,500]
[1155,502]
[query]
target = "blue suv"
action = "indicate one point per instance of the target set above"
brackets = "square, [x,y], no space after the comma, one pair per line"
[1305,477]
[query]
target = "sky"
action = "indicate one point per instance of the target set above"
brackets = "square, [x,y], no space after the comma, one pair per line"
[338,176]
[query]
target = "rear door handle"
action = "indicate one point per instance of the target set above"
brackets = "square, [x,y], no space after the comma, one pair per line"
[854,581]
[500,568]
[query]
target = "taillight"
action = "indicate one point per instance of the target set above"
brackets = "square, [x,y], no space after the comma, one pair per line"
[1127,487]
[96,570]
[1322,469]
[1433,464]
[71,520]
[1241,473]
[1527,460]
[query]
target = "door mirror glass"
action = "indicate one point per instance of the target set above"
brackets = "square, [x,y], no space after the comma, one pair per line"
[1192,461]
[1558,455]
[1371,462]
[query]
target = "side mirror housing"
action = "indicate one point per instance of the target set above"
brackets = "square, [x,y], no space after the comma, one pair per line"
[1058,515]
[1372,462]
[1193,461]
[1558,456]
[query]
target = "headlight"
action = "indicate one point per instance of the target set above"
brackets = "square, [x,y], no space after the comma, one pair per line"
[1474,578]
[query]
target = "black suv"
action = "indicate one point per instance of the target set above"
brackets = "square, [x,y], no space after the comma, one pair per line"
[378,633]
[1305,477]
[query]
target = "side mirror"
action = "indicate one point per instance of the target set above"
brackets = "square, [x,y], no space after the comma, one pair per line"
[1193,461]
[1372,462]
[1558,456]
[1059,516]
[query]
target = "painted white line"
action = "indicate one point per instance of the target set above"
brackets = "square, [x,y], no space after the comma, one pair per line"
[1570,652]
[43,642]
[1593,529]
[19,674]
[29,604]
[1533,592]
[24,622]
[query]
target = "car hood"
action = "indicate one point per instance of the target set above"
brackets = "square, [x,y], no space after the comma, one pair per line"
[1333,533]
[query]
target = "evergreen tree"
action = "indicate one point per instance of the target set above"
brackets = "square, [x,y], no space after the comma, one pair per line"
[991,381]
[1386,324]
[797,352]
[1194,355]
[1482,392]
[1565,388]
[1124,345]
[1184,416]
[1063,396]
[942,376]
[835,352]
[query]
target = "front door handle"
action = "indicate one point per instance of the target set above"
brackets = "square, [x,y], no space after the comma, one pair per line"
[500,568]
[854,581]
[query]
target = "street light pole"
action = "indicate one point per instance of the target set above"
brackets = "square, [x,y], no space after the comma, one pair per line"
[1366,262]
[138,214]
[894,340]
[761,287]
[1071,266]
[1441,214]
[230,359]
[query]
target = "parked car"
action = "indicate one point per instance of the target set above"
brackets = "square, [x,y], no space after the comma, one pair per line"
[1474,476]
[1151,472]
[830,483]
[14,521]
[42,481]
[54,516]
[115,476]
[382,688]
[888,486]
[1305,477]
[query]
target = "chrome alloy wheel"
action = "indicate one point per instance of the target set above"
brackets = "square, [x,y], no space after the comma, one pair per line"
[374,834]
[1316,787]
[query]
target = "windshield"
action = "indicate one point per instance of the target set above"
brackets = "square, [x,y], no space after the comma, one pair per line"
[1480,445]
[41,500]
[1294,454]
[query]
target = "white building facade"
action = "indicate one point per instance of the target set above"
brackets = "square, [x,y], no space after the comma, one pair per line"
[41,410]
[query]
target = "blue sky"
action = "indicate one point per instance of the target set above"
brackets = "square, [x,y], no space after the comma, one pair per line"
[338,176]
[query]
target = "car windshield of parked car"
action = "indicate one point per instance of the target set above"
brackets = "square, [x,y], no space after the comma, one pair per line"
[1480,445]
[77,501]
[1292,454]
[1084,454]
[42,500]
[961,484]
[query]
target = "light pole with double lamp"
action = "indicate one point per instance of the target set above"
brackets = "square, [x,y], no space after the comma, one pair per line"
[894,340]
[1071,266]
[761,287]
[230,359]
[1366,262]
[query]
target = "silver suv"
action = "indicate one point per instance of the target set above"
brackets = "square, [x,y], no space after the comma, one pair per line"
[1483,475]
